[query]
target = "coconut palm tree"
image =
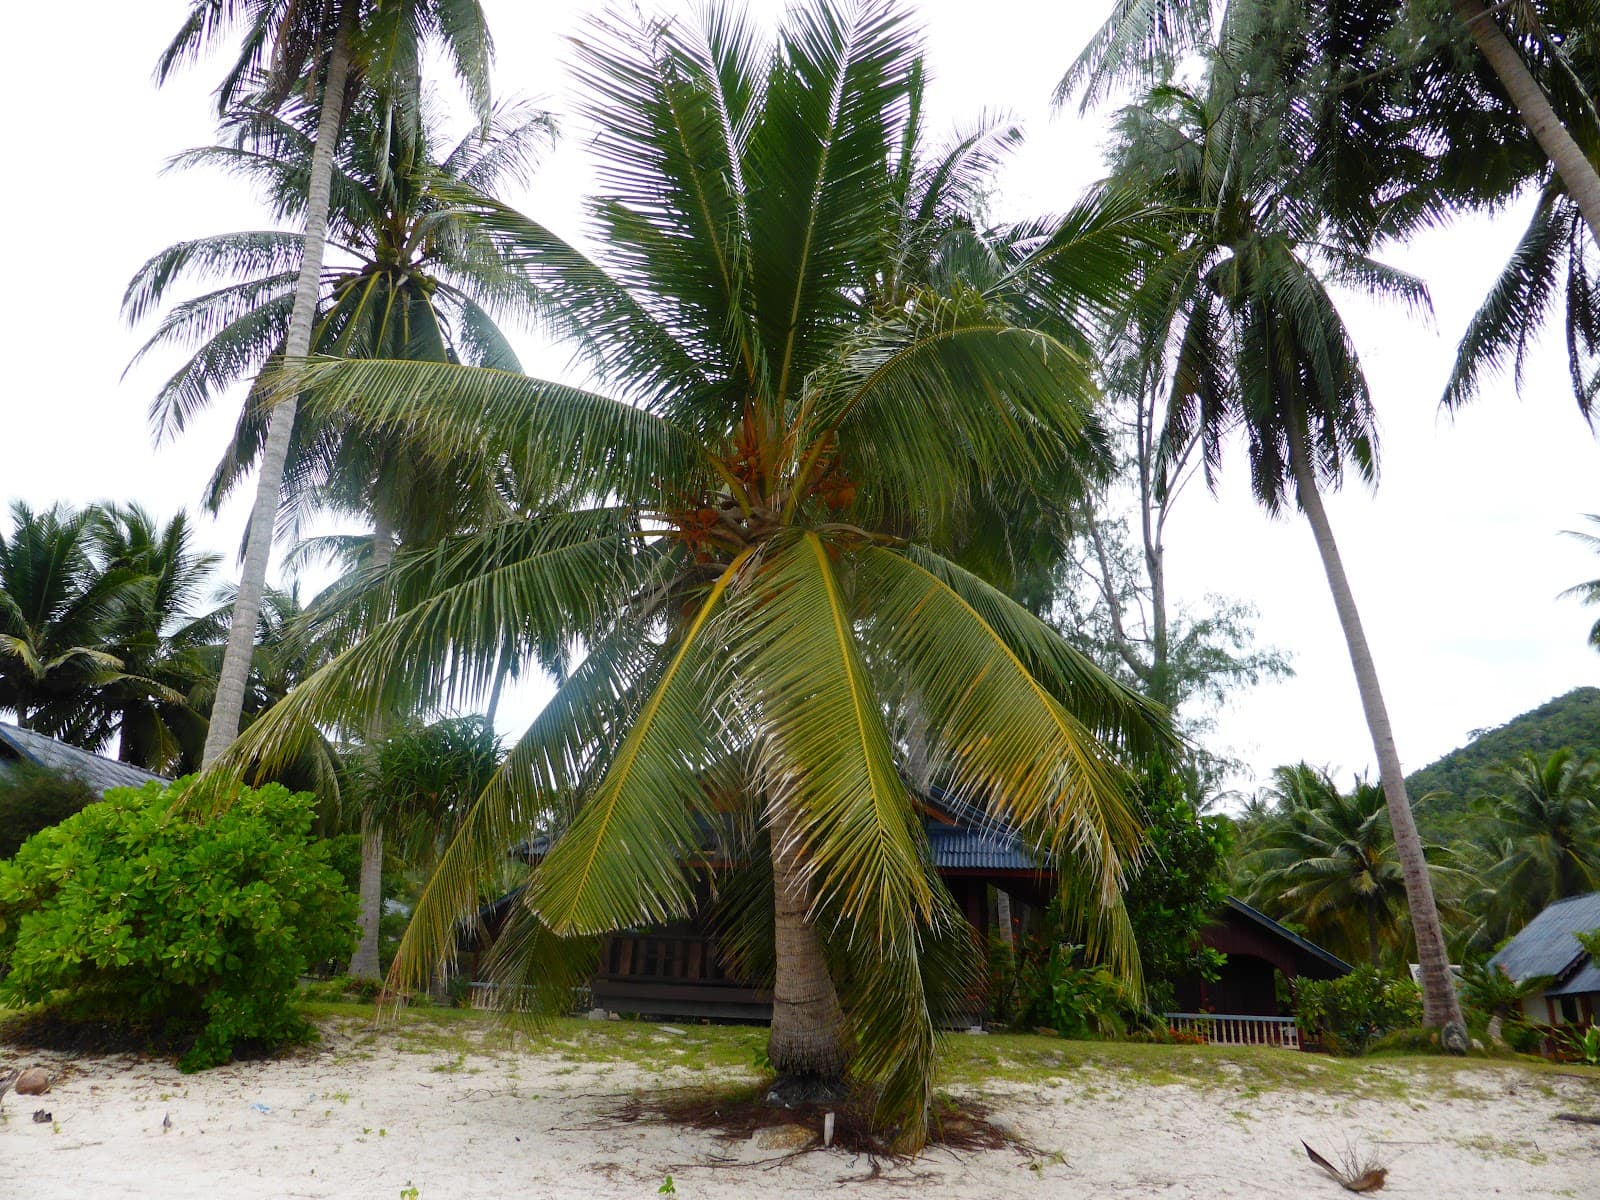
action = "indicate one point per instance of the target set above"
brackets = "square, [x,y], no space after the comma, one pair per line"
[418,277]
[289,44]
[161,637]
[1531,40]
[59,604]
[1340,59]
[1251,340]
[1543,823]
[744,533]
[1325,860]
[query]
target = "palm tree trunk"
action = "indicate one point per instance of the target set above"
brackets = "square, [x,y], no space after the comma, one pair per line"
[496,688]
[1577,172]
[1440,1008]
[808,1033]
[364,962]
[235,673]
[1372,927]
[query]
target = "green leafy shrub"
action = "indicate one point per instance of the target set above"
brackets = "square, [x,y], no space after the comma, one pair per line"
[133,914]
[1579,1045]
[34,798]
[1180,882]
[1522,1037]
[1348,1014]
[1076,1000]
[1001,965]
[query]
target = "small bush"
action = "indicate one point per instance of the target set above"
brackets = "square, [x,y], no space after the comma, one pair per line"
[133,914]
[1348,1014]
[34,798]
[1078,1001]
[1522,1037]
[1578,1045]
[342,989]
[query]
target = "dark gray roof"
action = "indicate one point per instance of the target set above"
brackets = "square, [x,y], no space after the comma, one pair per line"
[97,771]
[960,849]
[1546,946]
[1585,979]
[1288,935]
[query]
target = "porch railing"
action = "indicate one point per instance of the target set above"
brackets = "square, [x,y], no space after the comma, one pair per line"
[1230,1029]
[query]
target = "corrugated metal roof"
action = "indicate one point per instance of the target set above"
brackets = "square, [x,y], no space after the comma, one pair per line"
[1547,946]
[1587,979]
[97,771]
[958,849]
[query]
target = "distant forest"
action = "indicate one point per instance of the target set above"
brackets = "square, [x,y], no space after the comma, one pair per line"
[1454,781]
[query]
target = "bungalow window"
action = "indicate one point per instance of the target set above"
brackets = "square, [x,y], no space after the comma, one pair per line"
[1569,1010]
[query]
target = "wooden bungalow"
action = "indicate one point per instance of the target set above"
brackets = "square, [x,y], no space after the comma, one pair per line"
[676,971]
[1245,1002]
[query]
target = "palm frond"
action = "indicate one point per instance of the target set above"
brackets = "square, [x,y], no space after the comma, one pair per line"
[1140,42]
[535,790]
[1009,746]
[561,437]
[837,84]
[622,861]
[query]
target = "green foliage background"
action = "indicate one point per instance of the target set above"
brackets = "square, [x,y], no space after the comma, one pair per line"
[33,798]
[132,913]
[1178,886]
[1571,721]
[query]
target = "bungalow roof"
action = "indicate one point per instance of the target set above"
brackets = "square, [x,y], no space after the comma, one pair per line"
[96,770]
[1548,945]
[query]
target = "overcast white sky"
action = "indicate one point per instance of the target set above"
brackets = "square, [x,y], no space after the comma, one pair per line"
[1456,560]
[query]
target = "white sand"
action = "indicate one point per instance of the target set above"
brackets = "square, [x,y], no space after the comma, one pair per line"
[361,1117]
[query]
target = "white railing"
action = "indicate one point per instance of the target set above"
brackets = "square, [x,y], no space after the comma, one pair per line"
[1229,1029]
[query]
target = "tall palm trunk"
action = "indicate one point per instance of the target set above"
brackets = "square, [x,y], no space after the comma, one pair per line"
[364,962]
[1372,927]
[1576,171]
[496,688]
[1439,1005]
[808,1034]
[235,673]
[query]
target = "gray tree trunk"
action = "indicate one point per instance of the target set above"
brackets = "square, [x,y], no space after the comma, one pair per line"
[235,673]
[364,962]
[496,688]
[1577,172]
[1002,917]
[808,1031]
[1440,1007]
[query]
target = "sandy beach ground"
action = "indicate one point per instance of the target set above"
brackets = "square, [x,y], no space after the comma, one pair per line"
[443,1114]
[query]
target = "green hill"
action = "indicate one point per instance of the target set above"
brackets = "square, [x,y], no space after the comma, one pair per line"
[1572,720]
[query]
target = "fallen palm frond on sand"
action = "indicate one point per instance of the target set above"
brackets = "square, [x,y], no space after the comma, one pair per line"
[1356,1172]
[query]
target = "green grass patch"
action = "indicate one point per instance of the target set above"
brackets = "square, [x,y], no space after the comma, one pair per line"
[465,1032]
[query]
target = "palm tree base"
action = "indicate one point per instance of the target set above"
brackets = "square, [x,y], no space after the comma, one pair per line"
[802,1091]
[1453,1037]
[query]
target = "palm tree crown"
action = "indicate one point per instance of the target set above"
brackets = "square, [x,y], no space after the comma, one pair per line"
[1544,830]
[415,276]
[1325,859]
